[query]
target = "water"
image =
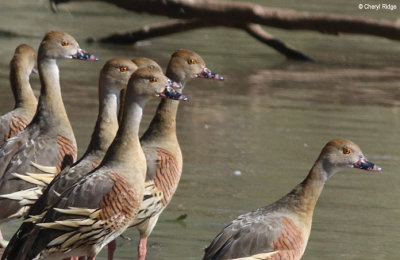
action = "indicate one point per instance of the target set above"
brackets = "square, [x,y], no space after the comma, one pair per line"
[247,141]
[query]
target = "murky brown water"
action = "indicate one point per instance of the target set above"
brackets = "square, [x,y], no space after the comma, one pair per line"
[268,121]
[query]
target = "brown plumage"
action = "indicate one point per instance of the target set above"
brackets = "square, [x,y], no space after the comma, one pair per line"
[102,204]
[281,229]
[21,66]
[18,123]
[48,139]
[113,79]
[161,147]
[167,176]
[66,152]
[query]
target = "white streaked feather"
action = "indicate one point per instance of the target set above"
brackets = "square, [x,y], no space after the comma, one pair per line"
[76,211]
[35,218]
[48,169]
[29,179]
[52,225]
[60,239]
[29,194]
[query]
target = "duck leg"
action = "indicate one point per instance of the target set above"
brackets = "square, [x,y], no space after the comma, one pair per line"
[111,248]
[142,248]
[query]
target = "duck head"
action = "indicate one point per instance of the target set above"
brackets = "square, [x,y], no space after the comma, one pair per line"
[117,72]
[142,62]
[24,59]
[61,45]
[341,153]
[185,65]
[147,83]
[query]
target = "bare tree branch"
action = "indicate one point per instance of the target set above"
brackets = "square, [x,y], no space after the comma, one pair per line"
[176,26]
[257,32]
[193,14]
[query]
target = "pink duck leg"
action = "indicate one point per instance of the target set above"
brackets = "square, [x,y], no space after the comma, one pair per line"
[142,248]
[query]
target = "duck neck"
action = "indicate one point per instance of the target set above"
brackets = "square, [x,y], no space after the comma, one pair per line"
[51,113]
[126,144]
[305,195]
[23,93]
[107,121]
[163,124]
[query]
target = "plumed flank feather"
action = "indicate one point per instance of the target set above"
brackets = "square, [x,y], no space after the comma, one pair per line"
[53,225]
[44,177]
[29,179]
[35,218]
[21,212]
[48,169]
[70,241]
[60,239]
[76,211]
[28,194]
[151,204]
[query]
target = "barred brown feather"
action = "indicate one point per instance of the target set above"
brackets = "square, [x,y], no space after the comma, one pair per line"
[168,175]
[18,123]
[289,244]
[67,152]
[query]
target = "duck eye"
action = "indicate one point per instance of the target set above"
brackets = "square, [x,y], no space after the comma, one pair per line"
[346,151]
[191,62]
[123,68]
[64,43]
[152,80]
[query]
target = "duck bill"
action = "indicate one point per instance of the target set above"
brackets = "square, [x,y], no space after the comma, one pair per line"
[84,55]
[174,84]
[364,164]
[206,73]
[170,93]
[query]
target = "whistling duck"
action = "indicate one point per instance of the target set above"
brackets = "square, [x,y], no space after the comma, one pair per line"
[21,66]
[113,79]
[161,147]
[281,229]
[101,205]
[48,139]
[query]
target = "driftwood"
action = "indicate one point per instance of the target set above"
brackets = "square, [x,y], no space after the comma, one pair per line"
[194,14]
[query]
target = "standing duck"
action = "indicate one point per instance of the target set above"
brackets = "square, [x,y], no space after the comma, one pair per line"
[161,147]
[21,66]
[113,79]
[48,139]
[101,205]
[281,229]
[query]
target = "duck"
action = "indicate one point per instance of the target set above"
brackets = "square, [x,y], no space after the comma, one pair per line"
[49,138]
[161,147]
[101,205]
[21,66]
[113,80]
[112,87]
[281,229]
